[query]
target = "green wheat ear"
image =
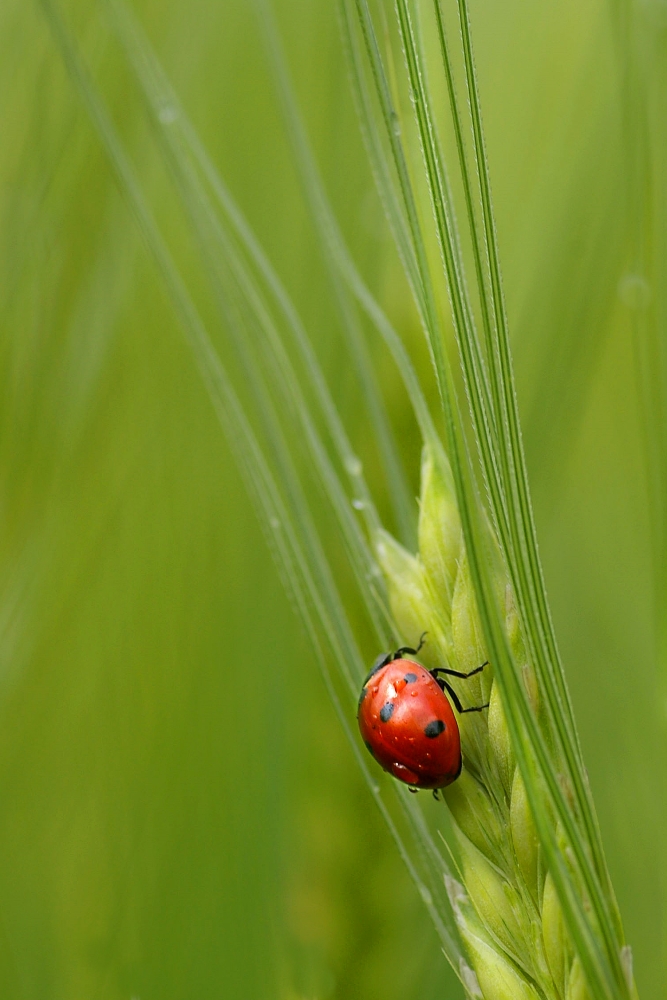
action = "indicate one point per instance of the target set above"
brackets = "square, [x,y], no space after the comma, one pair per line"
[534,906]
[506,906]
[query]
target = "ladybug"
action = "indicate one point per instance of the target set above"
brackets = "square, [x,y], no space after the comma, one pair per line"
[407,722]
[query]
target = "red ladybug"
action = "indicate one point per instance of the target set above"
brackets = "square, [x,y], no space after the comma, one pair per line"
[407,723]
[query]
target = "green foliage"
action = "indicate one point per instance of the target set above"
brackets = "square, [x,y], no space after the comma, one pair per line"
[181,812]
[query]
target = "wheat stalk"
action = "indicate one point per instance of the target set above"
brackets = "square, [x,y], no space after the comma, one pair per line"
[506,906]
[544,916]
[533,903]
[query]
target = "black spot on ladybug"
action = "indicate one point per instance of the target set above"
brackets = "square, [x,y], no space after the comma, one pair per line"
[410,678]
[369,748]
[434,728]
[387,711]
[364,692]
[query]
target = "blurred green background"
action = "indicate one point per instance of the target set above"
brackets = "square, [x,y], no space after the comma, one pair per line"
[180,815]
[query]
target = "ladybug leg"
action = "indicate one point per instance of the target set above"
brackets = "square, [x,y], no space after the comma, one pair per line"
[435,795]
[455,698]
[408,649]
[413,790]
[458,673]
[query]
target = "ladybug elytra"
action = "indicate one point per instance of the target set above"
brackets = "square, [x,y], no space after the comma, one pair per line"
[407,722]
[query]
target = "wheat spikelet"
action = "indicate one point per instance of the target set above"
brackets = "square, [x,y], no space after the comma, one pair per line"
[506,906]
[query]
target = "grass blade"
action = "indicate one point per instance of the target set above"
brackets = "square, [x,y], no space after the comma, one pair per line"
[312,591]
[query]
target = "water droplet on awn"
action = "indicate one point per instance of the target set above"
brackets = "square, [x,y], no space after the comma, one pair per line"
[634,291]
[168,114]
